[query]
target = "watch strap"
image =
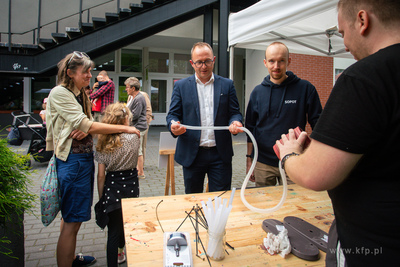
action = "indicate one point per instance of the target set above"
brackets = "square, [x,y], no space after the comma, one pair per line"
[286,157]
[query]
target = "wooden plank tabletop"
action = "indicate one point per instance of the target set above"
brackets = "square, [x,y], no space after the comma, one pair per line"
[144,236]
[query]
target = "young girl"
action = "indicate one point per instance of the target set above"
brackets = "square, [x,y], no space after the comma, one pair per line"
[117,156]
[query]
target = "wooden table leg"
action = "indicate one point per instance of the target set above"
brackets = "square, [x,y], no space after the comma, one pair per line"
[170,177]
[171,173]
[167,179]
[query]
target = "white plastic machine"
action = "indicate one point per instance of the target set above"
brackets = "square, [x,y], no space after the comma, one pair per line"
[177,249]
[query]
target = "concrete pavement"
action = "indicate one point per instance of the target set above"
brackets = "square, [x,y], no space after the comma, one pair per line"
[41,242]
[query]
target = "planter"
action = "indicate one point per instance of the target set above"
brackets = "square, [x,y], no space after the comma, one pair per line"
[15,198]
[13,230]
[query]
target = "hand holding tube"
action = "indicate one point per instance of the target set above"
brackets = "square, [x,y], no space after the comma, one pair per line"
[177,128]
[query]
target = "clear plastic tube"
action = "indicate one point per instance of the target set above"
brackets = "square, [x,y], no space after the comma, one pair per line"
[246,180]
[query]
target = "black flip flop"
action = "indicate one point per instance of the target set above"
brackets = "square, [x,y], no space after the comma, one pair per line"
[318,237]
[301,246]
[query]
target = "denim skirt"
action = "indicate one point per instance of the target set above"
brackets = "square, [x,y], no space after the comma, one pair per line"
[76,181]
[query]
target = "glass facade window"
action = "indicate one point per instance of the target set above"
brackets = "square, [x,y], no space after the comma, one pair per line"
[159,96]
[123,95]
[158,62]
[182,64]
[41,87]
[131,60]
[337,73]
[11,93]
[105,62]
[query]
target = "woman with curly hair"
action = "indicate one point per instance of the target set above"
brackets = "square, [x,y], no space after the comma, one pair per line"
[117,178]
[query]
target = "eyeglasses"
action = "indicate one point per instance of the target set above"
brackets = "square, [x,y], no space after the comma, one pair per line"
[78,55]
[199,64]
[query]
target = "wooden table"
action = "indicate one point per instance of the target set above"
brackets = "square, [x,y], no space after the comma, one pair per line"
[144,236]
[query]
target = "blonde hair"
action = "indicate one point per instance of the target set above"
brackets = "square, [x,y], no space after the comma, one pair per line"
[201,44]
[103,73]
[278,43]
[72,63]
[117,114]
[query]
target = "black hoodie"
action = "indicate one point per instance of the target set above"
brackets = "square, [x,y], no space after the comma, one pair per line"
[275,108]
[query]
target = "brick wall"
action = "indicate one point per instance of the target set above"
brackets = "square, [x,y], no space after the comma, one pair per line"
[316,69]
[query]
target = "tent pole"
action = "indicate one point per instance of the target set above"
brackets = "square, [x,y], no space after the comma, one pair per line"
[223,57]
[231,58]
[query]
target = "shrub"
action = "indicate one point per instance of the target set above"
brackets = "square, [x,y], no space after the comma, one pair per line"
[15,197]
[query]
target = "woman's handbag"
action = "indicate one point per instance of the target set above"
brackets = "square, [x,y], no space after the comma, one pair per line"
[50,193]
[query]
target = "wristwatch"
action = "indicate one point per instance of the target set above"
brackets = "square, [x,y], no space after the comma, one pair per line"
[248,156]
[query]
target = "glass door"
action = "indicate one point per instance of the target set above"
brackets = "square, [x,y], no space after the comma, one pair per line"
[158,96]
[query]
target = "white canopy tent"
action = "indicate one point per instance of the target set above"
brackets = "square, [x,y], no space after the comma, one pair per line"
[306,27]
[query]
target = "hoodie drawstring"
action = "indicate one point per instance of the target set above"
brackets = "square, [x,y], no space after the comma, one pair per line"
[269,101]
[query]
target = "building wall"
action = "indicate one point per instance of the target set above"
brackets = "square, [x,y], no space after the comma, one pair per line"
[318,70]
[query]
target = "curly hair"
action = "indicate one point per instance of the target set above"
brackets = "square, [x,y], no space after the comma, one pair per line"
[118,114]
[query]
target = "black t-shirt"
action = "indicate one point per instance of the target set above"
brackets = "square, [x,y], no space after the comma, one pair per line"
[362,116]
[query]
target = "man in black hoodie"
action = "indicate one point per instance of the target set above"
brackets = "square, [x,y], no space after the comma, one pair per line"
[282,101]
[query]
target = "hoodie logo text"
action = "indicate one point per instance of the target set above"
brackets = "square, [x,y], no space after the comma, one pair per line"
[290,101]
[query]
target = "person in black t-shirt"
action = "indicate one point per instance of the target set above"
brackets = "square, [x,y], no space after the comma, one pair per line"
[356,141]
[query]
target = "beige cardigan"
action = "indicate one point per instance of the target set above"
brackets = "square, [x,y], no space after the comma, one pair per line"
[62,107]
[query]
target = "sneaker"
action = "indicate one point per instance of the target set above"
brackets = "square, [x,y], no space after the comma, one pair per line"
[121,257]
[81,260]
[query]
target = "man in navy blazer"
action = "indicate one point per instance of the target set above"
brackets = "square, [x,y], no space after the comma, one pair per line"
[204,99]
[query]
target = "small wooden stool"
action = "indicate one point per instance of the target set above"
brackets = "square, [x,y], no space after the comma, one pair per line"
[170,177]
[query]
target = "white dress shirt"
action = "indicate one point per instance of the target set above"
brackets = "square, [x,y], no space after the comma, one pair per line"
[205,93]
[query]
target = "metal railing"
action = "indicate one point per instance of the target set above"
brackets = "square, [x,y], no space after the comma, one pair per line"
[36,31]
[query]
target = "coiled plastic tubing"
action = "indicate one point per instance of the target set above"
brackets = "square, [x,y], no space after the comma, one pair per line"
[246,180]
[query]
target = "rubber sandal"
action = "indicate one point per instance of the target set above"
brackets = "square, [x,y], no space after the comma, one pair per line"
[301,246]
[318,237]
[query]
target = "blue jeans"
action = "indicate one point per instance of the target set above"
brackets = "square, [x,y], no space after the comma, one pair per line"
[207,162]
[76,182]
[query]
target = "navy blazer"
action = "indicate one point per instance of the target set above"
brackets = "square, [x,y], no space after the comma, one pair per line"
[185,108]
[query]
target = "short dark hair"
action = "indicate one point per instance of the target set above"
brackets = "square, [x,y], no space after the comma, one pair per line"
[387,11]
